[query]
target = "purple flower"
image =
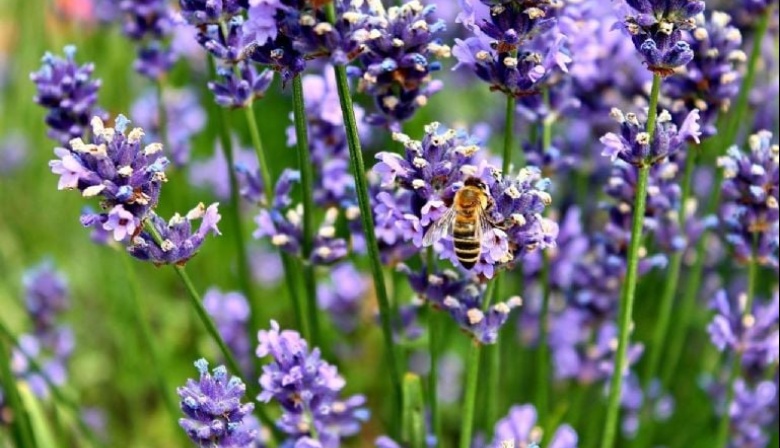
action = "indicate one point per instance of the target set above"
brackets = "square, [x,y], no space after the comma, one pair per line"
[179,242]
[342,298]
[202,12]
[463,300]
[230,311]
[45,295]
[240,91]
[515,47]
[632,146]
[184,119]
[69,92]
[121,223]
[149,22]
[711,81]
[749,210]
[308,390]
[114,166]
[519,428]
[13,152]
[656,28]
[395,66]
[213,173]
[752,333]
[283,224]
[753,414]
[214,414]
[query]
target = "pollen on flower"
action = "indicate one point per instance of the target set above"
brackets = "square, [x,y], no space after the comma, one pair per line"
[280,240]
[167,246]
[93,191]
[152,148]
[125,171]
[475,316]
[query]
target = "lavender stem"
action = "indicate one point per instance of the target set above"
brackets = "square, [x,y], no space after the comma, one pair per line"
[470,395]
[627,301]
[367,218]
[305,167]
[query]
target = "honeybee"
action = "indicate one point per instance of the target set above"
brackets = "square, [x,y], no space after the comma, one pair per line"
[466,221]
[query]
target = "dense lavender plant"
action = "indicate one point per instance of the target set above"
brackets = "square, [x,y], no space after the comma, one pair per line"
[214,413]
[150,23]
[308,389]
[750,193]
[69,92]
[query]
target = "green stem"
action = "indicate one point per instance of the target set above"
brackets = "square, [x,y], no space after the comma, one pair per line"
[58,395]
[543,364]
[307,177]
[21,428]
[257,144]
[291,284]
[361,187]
[629,290]
[151,347]
[433,375]
[736,366]
[470,395]
[493,362]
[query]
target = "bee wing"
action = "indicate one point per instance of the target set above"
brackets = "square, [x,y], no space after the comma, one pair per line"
[442,227]
[483,226]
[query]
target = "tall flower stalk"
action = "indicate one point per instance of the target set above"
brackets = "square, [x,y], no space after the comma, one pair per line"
[366,216]
[21,430]
[307,242]
[629,288]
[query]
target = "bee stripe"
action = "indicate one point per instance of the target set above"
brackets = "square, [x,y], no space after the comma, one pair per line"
[466,244]
[463,233]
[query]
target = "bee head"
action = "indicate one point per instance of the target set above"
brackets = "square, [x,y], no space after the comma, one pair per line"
[475,182]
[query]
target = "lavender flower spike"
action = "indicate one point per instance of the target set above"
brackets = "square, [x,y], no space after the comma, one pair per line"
[308,389]
[179,242]
[69,92]
[213,409]
[750,194]
[114,166]
[519,428]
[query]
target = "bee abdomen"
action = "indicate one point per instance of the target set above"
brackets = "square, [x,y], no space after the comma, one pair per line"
[467,250]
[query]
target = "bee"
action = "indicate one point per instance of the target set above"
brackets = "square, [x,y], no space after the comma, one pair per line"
[466,221]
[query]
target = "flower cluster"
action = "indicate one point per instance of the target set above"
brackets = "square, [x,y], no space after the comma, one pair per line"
[283,224]
[114,166]
[752,412]
[516,45]
[69,92]
[308,390]
[752,333]
[432,171]
[750,199]
[49,343]
[656,28]
[149,22]
[396,63]
[463,300]
[520,428]
[214,413]
[230,311]
[711,81]
[184,118]
[633,145]
[175,242]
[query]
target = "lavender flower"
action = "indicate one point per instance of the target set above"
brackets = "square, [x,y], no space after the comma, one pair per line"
[463,300]
[515,47]
[656,30]
[114,166]
[212,173]
[283,224]
[230,311]
[185,118]
[519,428]
[753,413]
[149,22]
[711,81]
[752,333]
[213,409]
[632,146]
[308,390]
[342,298]
[750,199]
[46,296]
[395,66]
[69,92]
[178,241]
[204,12]
[239,88]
